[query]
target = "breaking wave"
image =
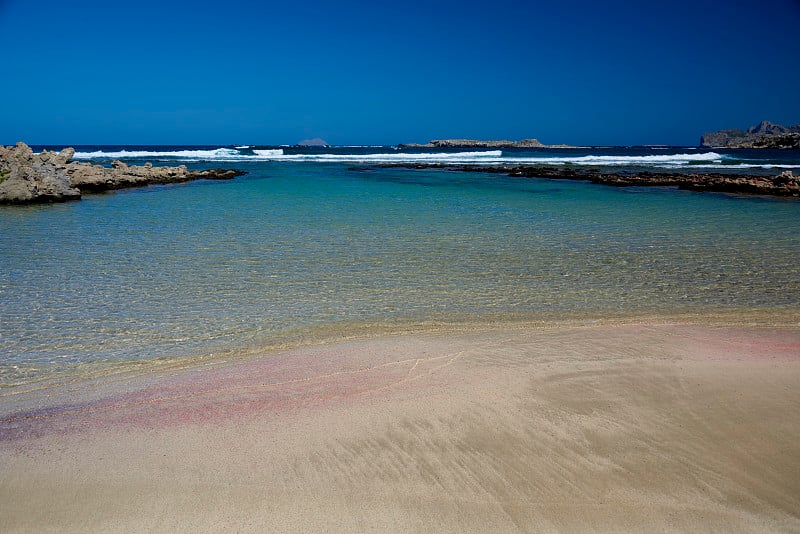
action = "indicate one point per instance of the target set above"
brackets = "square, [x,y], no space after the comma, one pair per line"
[659,160]
[198,155]
[229,154]
[373,155]
[398,157]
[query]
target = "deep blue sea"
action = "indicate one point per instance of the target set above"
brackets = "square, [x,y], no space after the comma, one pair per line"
[316,242]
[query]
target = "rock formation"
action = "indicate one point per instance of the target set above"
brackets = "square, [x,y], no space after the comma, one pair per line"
[26,177]
[765,135]
[785,184]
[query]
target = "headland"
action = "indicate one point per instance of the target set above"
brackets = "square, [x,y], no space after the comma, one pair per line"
[763,135]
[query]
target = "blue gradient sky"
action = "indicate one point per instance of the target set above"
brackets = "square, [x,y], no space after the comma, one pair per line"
[573,71]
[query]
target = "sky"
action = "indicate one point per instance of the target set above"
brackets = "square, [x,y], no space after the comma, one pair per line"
[218,73]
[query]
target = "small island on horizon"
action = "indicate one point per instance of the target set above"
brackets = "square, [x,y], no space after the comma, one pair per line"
[476,143]
[764,135]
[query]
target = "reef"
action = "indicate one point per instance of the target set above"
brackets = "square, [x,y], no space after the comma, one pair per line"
[784,184]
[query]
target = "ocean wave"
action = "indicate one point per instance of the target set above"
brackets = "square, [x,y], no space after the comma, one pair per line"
[268,153]
[215,154]
[399,157]
[229,154]
[486,157]
[659,160]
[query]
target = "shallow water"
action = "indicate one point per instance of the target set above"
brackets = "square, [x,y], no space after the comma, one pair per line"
[295,248]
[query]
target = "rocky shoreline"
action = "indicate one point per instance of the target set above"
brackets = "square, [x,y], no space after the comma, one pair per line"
[784,184]
[28,178]
[765,135]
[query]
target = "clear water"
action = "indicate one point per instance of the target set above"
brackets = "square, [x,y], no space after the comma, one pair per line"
[295,247]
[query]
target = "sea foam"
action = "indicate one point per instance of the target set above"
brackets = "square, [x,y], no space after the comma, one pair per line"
[228,154]
[485,157]
[201,155]
[659,160]
[397,157]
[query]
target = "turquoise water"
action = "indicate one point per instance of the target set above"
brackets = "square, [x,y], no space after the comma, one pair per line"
[296,247]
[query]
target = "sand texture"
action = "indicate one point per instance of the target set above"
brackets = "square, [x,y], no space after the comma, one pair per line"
[632,427]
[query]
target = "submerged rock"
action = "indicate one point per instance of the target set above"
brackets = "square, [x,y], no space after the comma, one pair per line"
[26,177]
[784,184]
[96,178]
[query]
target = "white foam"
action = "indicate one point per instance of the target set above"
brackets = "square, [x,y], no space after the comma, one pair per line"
[227,154]
[400,157]
[268,153]
[665,160]
[488,157]
[496,157]
[218,154]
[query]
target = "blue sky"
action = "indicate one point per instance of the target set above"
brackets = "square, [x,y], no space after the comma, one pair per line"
[573,71]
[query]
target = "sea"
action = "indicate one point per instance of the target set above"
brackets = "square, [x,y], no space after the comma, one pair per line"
[320,243]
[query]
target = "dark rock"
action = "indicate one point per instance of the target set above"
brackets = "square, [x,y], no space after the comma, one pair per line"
[216,174]
[783,185]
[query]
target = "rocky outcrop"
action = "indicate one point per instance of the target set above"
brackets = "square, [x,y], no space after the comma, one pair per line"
[26,177]
[765,135]
[785,184]
[473,143]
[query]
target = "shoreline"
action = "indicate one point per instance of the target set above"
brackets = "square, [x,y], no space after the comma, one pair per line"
[649,425]
[785,184]
[341,332]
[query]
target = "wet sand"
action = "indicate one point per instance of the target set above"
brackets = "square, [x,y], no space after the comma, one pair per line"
[628,427]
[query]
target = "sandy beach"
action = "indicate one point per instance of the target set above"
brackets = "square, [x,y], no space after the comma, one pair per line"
[655,426]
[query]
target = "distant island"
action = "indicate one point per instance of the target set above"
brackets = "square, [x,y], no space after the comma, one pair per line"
[474,143]
[313,142]
[765,135]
